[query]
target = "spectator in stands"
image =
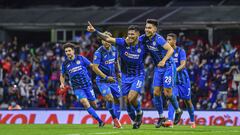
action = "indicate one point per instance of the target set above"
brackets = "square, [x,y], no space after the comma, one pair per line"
[14,106]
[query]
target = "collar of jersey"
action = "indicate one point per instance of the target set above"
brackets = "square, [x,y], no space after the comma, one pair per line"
[153,38]
[75,57]
[106,49]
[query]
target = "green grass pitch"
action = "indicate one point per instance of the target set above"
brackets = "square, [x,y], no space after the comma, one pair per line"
[108,130]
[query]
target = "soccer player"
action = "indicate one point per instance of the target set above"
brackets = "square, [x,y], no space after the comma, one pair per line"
[132,54]
[106,60]
[75,67]
[183,86]
[161,53]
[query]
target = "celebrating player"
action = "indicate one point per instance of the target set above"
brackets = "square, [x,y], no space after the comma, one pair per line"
[106,60]
[161,53]
[131,53]
[75,67]
[183,86]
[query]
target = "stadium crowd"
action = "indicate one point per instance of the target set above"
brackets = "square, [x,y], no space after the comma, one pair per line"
[29,74]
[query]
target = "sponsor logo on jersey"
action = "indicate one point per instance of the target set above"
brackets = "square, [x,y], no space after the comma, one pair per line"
[75,69]
[132,56]
[111,61]
[152,48]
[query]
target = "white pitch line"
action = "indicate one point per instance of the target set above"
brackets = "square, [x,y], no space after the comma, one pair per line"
[103,133]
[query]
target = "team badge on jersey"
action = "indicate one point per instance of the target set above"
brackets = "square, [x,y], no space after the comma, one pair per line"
[78,62]
[95,57]
[126,53]
[104,91]
[139,50]
[154,43]
[176,55]
[113,53]
[128,47]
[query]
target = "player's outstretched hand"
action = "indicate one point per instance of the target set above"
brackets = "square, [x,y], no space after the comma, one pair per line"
[62,86]
[111,79]
[90,28]
[161,64]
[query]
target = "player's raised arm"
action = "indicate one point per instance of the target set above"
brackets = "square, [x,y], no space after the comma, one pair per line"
[103,36]
[169,53]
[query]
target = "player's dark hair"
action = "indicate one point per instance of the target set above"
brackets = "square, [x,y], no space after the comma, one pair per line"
[153,22]
[173,35]
[134,27]
[71,45]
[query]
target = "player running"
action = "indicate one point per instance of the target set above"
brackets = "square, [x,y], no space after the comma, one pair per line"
[75,67]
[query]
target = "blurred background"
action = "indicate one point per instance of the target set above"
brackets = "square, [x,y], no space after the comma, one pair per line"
[32,33]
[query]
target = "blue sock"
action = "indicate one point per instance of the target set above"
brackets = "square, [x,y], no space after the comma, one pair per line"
[191,113]
[158,104]
[170,112]
[117,110]
[138,107]
[174,102]
[131,112]
[92,112]
[111,109]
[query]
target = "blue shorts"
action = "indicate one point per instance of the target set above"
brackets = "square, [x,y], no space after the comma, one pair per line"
[164,77]
[184,90]
[134,83]
[109,88]
[85,93]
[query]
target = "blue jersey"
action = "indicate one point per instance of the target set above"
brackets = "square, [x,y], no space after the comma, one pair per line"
[77,71]
[178,56]
[132,57]
[106,60]
[155,47]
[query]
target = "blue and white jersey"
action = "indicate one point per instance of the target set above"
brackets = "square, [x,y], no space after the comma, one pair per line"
[155,47]
[132,57]
[77,71]
[106,60]
[178,56]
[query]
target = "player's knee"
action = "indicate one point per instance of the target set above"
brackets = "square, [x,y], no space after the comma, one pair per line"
[85,103]
[189,103]
[157,93]
[109,98]
[168,92]
[94,105]
[130,99]
[116,101]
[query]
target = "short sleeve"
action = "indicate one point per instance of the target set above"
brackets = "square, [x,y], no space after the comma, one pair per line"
[120,42]
[182,55]
[86,61]
[63,70]
[161,41]
[97,58]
